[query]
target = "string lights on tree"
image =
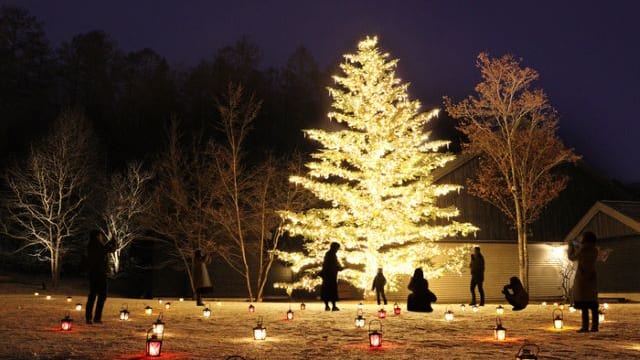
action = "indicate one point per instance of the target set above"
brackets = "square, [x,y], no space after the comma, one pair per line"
[375,175]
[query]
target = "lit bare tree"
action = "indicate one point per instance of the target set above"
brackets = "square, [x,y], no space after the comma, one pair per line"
[127,202]
[513,129]
[47,194]
[250,196]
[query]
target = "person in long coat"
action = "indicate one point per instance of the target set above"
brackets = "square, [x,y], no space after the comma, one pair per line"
[329,274]
[421,297]
[585,282]
[98,250]
[477,275]
[379,282]
[515,294]
[201,279]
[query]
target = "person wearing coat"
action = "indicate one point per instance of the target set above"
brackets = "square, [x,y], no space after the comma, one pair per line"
[421,297]
[585,282]
[329,275]
[98,250]
[515,294]
[477,275]
[201,279]
[378,285]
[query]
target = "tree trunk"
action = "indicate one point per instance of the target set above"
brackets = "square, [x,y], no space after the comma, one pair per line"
[55,269]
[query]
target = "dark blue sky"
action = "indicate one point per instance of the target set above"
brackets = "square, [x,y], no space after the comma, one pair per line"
[587,52]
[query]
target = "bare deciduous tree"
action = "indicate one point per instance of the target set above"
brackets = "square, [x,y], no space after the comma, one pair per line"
[513,129]
[47,194]
[127,202]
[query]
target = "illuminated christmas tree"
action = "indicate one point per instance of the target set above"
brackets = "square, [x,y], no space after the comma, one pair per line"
[375,176]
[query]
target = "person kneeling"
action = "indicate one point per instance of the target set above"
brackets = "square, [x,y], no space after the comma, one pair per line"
[421,297]
[515,294]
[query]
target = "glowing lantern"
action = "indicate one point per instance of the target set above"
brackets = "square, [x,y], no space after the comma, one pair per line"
[148,310]
[572,309]
[605,306]
[48,297]
[78,307]
[557,319]
[396,309]
[463,307]
[360,306]
[475,308]
[528,351]
[66,323]
[500,333]
[206,312]
[154,343]
[561,306]
[601,315]
[159,301]
[499,310]
[303,306]
[448,315]
[69,298]
[259,332]
[124,312]
[36,294]
[158,326]
[252,308]
[382,313]
[360,319]
[544,303]
[375,335]
[167,305]
[181,299]
[290,314]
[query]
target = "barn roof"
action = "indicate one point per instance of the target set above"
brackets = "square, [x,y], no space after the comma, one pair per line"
[625,212]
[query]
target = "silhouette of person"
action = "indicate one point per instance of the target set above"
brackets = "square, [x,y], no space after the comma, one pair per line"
[98,250]
[477,275]
[329,274]
[421,297]
[585,281]
[201,279]
[378,285]
[515,294]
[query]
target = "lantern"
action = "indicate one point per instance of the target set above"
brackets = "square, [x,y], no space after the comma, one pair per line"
[36,294]
[48,297]
[528,351]
[499,310]
[148,310]
[500,333]
[396,309]
[605,306]
[259,332]
[544,303]
[154,343]
[360,306]
[69,298]
[167,305]
[78,307]
[252,308]
[360,319]
[290,314]
[448,315]
[375,335]
[206,312]
[158,326]
[601,315]
[181,299]
[557,319]
[475,308]
[124,312]
[572,309]
[561,306]
[303,306]
[159,301]
[66,323]
[382,313]
[463,307]
[555,304]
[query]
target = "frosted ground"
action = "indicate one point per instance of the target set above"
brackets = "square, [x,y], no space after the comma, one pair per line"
[29,329]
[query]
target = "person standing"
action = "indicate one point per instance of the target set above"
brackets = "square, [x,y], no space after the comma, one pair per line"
[585,282]
[379,283]
[477,275]
[98,250]
[329,274]
[201,279]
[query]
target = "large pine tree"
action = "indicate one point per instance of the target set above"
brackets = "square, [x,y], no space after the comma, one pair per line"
[375,176]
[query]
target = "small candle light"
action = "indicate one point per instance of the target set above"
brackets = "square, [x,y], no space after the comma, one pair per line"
[124,312]
[259,331]
[181,299]
[500,333]
[499,310]
[448,315]
[167,305]
[206,312]
[154,343]
[572,309]
[158,326]
[360,321]
[557,318]
[48,297]
[528,352]
[148,310]
[159,301]
[36,294]
[303,306]
[360,306]
[463,307]
[544,303]
[396,309]
[605,306]
[601,315]
[78,307]
[66,323]
[475,308]
[290,314]
[69,298]
[252,308]
[382,313]
[375,335]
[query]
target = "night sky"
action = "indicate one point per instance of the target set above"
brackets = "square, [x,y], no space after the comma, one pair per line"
[587,52]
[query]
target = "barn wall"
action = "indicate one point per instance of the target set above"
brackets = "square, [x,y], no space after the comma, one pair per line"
[620,273]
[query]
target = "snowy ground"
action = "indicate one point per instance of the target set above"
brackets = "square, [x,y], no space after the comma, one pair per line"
[29,328]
